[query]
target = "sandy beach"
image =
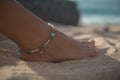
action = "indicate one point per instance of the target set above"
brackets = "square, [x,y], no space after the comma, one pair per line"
[105,66]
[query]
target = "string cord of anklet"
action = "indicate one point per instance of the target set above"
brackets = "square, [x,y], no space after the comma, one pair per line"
[47,42]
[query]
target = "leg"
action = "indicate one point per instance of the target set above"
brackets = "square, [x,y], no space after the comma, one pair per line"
[28,31]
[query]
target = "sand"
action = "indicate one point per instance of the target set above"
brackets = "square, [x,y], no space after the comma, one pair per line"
[105,66]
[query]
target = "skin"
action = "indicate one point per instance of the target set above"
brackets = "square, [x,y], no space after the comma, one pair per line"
[2,37]
[29,32]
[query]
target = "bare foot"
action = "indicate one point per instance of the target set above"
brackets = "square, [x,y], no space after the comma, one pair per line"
[29,32]
[63,48]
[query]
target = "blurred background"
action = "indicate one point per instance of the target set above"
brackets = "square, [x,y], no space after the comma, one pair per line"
[75,12]
[99,11]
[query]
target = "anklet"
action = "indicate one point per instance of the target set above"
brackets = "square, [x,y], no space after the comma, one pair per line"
[41,48]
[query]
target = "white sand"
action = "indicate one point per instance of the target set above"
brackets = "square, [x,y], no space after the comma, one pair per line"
[106,66]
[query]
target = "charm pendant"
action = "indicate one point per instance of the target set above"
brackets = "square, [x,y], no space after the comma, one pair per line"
[52,34]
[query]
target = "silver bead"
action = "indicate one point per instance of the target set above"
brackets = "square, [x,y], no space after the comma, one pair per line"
[51,25]
[52,34]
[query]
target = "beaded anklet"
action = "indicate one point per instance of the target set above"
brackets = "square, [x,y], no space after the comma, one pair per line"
[41,48]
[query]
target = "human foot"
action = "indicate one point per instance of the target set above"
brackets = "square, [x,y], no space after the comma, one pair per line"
[62,48]
[29,32]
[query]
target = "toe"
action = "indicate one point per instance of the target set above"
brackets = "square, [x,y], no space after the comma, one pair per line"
[92,42]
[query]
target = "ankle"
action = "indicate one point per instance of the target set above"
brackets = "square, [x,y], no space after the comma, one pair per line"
[36,43]
[41,47]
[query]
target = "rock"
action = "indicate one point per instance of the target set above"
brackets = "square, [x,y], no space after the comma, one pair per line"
[58,11]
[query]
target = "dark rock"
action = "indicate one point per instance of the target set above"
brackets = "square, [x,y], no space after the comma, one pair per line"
[58,11]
